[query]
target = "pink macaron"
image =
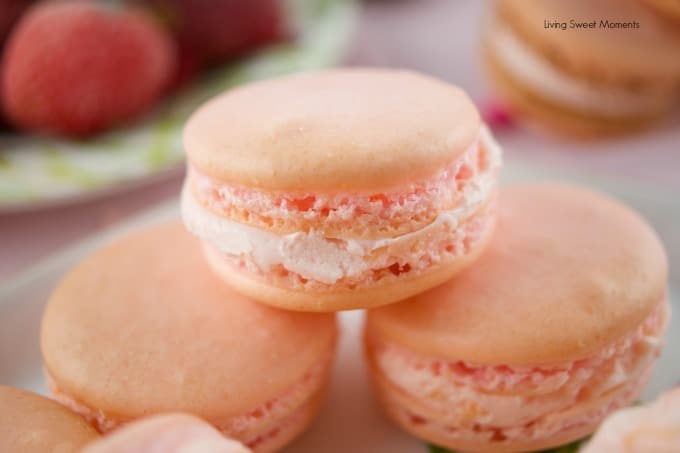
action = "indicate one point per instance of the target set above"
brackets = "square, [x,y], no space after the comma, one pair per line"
[340,189]
[31,423]
[167,433]
[557,325]
[651,428]
[144,327]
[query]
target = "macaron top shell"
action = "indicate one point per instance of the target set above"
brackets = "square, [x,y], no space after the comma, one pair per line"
[568,272]
[335,130]
[649,52]
[31,423]
[143,326]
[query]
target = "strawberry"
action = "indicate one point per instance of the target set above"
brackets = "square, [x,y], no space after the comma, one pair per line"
[10,10]
[76,68]
[220,30]
[187,69]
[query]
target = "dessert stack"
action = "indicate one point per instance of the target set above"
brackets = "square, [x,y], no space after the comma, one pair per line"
[503,320]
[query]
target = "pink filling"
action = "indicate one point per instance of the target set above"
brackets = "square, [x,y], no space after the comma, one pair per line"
[507,402]
[400,210]
[281,410]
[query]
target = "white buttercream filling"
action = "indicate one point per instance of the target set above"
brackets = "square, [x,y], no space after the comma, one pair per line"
[313,255]
[533,70]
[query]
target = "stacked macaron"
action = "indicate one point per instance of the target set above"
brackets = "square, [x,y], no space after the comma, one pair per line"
[668,9]
[341,189]
[142,327]
[652,428]
[315,192]
[583,67]
[497,322]
[33,424]
[557,325]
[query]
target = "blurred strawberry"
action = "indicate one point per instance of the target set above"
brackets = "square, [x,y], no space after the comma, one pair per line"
[187,68]
[10,11]
[76,67]
[219,30]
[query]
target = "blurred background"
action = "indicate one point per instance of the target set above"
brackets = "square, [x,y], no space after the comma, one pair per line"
[90,138]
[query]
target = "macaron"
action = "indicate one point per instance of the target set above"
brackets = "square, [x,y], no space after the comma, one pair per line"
[668,9]
[30,423]
[143,327]
[167,433]
[340,189]
[583,68]
[651,428]
[555,326]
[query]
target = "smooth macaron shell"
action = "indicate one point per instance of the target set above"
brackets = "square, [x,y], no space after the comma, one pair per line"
[143,326]
[578,267]
[30,423]
[337,130]
[571,286]
[639,63]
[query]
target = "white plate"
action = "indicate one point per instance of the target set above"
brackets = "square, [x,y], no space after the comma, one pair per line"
[38,172]
[350,420]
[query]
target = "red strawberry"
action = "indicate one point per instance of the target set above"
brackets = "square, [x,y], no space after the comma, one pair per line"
[10,10]
[187,69]
[76,67]
[219,30]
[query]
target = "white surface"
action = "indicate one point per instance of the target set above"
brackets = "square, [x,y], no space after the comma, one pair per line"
[350,420]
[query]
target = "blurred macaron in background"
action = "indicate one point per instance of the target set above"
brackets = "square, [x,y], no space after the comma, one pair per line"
[583,68]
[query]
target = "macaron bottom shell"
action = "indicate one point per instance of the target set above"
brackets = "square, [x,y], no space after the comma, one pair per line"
[393,288]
